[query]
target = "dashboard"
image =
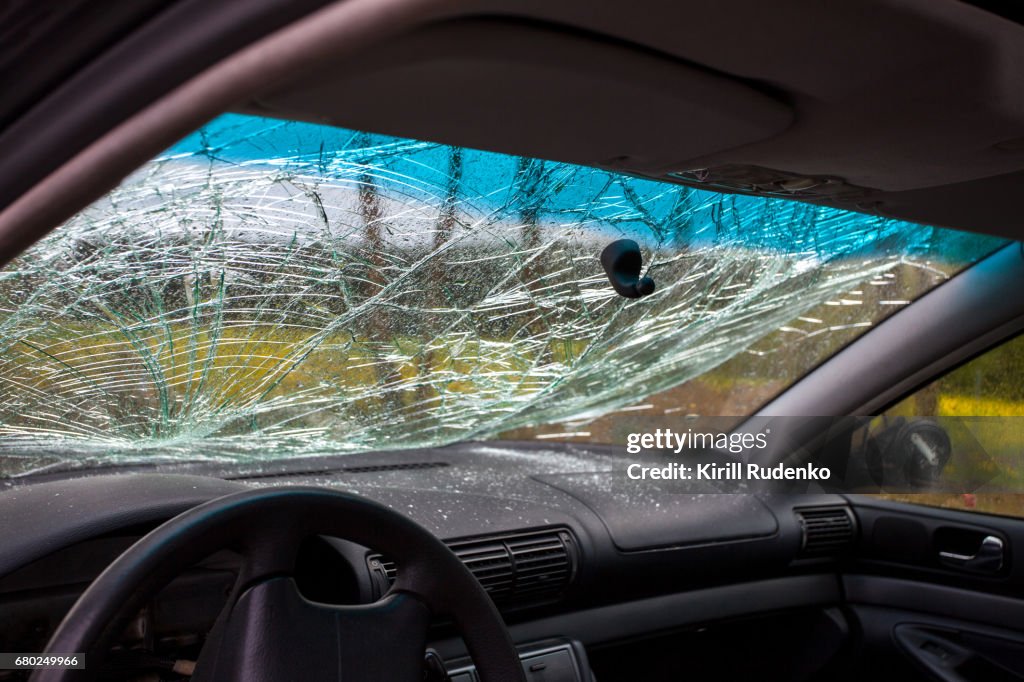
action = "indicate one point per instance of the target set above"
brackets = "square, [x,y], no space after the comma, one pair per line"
[577,557]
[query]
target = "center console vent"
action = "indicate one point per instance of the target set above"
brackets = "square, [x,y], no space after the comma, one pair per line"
[826,531]
[516,569]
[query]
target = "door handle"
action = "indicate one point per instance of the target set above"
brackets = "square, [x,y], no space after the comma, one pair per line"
[988,558]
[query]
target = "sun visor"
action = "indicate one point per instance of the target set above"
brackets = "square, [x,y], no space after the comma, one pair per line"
[534,91]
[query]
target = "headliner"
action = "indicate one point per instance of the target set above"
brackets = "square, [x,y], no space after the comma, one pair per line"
[911,109]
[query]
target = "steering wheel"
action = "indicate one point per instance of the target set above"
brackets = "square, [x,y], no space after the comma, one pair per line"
[268,632]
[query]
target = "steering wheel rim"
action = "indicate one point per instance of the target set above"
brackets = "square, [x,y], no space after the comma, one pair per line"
[264,611]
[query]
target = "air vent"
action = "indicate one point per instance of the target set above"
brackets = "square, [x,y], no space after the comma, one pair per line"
[827,531]
[516,569]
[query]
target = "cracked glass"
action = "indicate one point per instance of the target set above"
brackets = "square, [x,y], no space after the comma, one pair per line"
[267,289]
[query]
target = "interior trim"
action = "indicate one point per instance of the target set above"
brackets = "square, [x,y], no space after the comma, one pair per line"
[117,62]
[921,597]
[649,616]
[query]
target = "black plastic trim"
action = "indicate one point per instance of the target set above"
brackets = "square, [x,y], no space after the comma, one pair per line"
[670,611]
[941,600]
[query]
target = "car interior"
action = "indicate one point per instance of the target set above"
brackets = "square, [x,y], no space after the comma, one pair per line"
[485,559]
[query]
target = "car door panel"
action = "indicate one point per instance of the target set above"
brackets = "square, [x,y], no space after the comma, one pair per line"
[935,594]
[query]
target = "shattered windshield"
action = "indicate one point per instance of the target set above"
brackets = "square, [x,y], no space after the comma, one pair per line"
[268,289]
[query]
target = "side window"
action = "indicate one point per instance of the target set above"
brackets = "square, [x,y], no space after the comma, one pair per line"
[959,441]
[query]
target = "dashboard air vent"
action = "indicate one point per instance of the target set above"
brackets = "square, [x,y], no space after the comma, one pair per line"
[826,530]
[516,569]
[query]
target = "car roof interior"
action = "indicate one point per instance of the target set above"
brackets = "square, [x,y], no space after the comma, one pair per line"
[872,106]
[911,109]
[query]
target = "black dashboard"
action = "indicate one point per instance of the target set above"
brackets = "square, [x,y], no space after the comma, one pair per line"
[574,554]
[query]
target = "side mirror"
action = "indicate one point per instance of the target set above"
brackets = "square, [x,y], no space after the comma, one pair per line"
[908,453]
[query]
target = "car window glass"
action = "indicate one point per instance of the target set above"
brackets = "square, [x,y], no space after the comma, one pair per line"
[980,408]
